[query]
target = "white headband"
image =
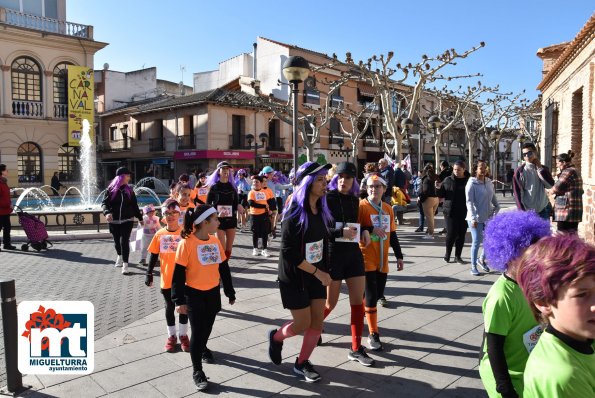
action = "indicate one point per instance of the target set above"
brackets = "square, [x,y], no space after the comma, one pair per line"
[205,215]
[378,178]
[166,208]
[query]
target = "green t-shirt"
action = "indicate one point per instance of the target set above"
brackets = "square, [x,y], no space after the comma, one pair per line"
[555,370]
[506,312]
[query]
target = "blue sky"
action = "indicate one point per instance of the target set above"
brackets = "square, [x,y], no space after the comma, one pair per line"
[199,34]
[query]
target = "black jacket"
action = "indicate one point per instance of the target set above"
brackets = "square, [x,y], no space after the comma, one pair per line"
[223,194]
[428,188]
[121,207]
[453,192]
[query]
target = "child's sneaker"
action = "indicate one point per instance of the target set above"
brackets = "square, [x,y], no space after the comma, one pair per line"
[275,348]
[118,262]
[360,356]
[265,253]
[383,302]
[255,252]
[125,270]
[307,370]
[483,265]
[185,343]
[474,271]
[374,342]
[171,343]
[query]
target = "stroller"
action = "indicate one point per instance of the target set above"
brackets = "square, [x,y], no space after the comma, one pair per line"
[37,235]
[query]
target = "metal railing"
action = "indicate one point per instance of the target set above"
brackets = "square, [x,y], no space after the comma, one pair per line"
[114,145]
[16,18]
[60,111]
[156,144]
[32,109]
[186,142]
[238,142]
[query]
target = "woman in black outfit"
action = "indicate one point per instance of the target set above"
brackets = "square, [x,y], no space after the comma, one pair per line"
[429,198]
[120,207]
[455,210]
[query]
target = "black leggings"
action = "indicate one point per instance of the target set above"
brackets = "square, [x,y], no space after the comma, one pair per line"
[203,306]
[121,234]
[5,227]
[260,229]
[456,229]
[375,283]
[170,307]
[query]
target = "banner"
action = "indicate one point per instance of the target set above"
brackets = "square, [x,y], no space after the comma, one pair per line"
[407,163]
[80,102]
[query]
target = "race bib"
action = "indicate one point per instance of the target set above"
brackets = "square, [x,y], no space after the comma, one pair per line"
[224,211]
[260,196]
[531,337]
[203,191]
[314,251]
[181,219]
[382,223]
[169,243]
[278,194]
[357,237]
[209,254]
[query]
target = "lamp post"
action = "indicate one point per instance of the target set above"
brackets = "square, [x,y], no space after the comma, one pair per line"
[295,70]
[407,125]
[521,139]
[495,136]
[250,138]
[435,124]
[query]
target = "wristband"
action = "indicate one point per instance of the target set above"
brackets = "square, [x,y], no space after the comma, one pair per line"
[315,270]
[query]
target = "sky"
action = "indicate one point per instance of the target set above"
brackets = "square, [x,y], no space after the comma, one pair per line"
[198,34]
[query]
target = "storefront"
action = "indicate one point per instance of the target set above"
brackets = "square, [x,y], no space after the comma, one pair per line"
[279,161]
[208,159]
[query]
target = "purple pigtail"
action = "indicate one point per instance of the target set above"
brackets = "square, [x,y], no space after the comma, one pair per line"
[334,185]
[509,233]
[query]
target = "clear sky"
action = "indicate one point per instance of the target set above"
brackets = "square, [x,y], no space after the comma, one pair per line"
[199,34]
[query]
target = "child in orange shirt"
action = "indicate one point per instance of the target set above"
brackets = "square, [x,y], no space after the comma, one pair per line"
[260,202]
[163,247]
[200,264]
[182,192]
[201,190]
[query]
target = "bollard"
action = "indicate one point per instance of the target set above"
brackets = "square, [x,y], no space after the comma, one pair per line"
[10,326]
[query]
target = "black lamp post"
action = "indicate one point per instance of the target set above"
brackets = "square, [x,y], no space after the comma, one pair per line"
[407,125]
[435,124]
[295,70]
[495,136]
[250,138]
[340,143]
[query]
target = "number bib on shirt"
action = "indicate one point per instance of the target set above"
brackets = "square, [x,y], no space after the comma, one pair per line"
[314,251]
[531,337]
[278,194]
[169,243]
[224,211]
[376,222]
[356,239]
[203,191]
[209,254]
[181,219]
[260,196]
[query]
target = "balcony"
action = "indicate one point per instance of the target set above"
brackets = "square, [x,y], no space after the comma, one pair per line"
[186,142]
[156,144]
[16,18]
[60,111]
[276,145]
[27,109]
[337,102]
[119,145]
[237,141]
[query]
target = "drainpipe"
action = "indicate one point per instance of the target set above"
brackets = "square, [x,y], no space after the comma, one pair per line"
[254,63]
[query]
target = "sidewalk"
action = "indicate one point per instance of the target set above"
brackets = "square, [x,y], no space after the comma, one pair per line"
[431,331]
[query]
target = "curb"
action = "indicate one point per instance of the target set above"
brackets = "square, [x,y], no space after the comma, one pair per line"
[67,237]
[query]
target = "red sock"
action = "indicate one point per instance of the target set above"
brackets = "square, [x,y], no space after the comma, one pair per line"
[372,318]
[310,341]
[284,332]
[326,312]
[357,325]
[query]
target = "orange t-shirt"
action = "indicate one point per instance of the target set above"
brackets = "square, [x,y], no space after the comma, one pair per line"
[192,195]
[201,259]
[165,243]
[260,197]
[368,217]
[201,193]
[183,210]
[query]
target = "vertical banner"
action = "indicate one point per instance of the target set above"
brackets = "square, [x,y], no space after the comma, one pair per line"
[80,102]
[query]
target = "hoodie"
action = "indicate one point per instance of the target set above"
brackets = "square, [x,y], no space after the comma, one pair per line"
[480,199]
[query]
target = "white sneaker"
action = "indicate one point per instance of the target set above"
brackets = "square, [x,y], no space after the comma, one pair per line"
[428,236]
[125,269]
[118,262]
[255,252]
[265,253]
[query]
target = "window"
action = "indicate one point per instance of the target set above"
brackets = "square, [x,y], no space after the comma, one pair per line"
[29,163]
[334,131]
[26,80]
[68,164]
[238,131]
[312,97]
[139,131]
[60,81]
[336,100]
[274,136]
[112,133]
[124,131]
[45,8]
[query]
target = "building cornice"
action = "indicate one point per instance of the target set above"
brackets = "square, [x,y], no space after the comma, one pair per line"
[32,37]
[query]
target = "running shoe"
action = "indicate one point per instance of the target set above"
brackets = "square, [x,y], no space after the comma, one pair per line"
[207,356]
[383,301]
[360,356]
[460,260]
[420,229]
[428,236]
[171,343]
[255,252]
[474,271]
[374,342]
[307,370]
[200,380]
[483,265]
[265,253]
[118,262]
[275,348]
[185,343]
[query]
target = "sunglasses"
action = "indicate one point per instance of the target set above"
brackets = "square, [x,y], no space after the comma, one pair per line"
[528,153]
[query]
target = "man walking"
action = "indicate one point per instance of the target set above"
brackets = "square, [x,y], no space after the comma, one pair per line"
[530,181]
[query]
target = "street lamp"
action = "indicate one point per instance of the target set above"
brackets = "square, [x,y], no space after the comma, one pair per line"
[435,124]
[340,143]
[295,70]
[250,138]
[495,136]
[407,125]
[521,139]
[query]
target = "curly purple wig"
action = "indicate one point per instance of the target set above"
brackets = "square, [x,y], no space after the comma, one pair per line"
[334,184]
[509,233]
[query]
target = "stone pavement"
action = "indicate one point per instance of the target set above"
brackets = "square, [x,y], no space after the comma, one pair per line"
[431,330]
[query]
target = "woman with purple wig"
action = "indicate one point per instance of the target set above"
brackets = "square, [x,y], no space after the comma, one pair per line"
[223,196]
[346,259]
[511,331]
[120,207]
[303,266]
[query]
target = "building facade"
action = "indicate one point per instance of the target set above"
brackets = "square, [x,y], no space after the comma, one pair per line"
[37,44]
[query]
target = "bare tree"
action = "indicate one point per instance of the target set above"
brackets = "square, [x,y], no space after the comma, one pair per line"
[360,121]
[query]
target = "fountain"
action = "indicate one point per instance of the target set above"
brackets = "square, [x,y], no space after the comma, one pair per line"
[86,160]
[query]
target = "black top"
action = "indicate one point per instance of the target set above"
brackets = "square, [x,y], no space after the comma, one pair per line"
[344,209]
[453,192]
[400,178]
[428,187]
[122,207]
[294,243]
[223,194]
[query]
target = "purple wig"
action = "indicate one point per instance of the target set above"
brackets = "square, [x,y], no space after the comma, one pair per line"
[280,178]
[115,184]
[298,204]
[334,184]
[214,178]
[241,173]
[509,233]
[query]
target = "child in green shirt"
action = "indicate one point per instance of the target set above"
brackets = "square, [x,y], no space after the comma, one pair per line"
[511,331]
[557,276]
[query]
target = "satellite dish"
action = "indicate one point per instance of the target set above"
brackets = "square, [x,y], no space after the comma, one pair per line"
[105,66]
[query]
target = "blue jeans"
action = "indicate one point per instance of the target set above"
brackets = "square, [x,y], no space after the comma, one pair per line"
[476,240]
[422,217]
[546,212]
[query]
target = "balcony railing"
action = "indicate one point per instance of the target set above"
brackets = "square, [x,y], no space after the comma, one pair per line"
[237,141]
[119,145]
[16,18]
[32,109]
[186,142]
[156,144]
[60,111]
[337,102]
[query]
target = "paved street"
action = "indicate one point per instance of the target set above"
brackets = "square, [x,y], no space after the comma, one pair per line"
[432,328]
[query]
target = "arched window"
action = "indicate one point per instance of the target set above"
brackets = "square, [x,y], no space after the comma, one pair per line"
[26,79]
[60,90]
[29,163]
[68,165]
